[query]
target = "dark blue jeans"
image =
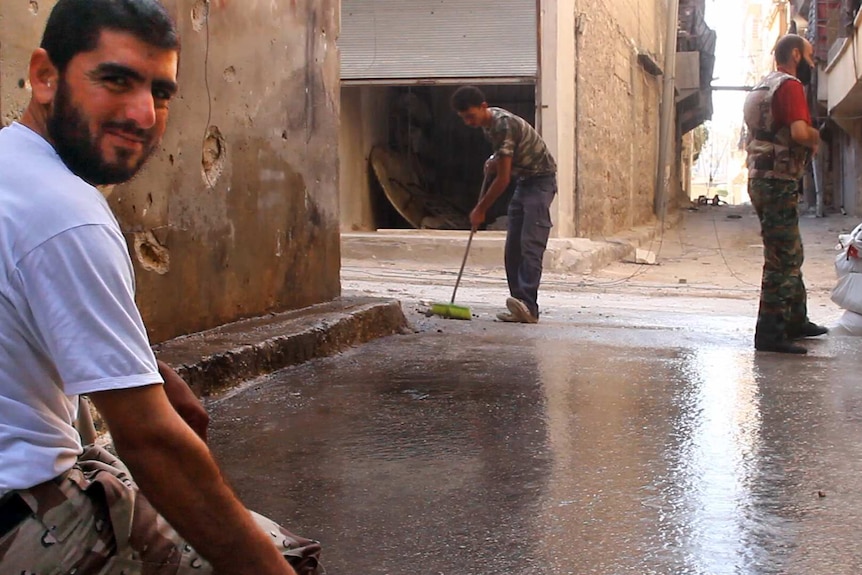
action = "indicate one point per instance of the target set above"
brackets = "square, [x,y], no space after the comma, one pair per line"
[527,237]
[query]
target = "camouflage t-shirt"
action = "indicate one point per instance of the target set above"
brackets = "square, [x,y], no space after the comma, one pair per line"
[511,135]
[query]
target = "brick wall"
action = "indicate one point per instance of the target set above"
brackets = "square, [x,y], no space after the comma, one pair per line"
[617,113]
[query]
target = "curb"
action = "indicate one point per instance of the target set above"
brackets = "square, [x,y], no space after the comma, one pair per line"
[440,247]
[583,256]
[215,360]
[446,248]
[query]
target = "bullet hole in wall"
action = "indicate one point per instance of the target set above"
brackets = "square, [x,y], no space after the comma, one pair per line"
[213,156]
[200,11]
[230,74]
[171,159]
[34,7]
[151,254]
[22,83]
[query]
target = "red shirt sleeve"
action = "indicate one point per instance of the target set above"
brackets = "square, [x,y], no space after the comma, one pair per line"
[789,104]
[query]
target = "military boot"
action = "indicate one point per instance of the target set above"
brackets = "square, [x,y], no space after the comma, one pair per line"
[769,336]
[808,329]
[785,346]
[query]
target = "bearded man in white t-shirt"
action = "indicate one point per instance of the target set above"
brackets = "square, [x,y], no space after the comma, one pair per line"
[101,82]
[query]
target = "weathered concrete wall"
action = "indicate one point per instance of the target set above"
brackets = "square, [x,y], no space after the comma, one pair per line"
[557,109]
[601,110]
[849,152]
[21,25]
[237,214]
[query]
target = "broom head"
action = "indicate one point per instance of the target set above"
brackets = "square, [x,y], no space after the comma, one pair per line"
[451,311]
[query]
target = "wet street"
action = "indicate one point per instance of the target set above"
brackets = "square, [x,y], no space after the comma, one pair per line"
[633,435]
[634,430]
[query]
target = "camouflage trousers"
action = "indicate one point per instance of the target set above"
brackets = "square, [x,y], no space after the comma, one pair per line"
[93,520]
[783,304]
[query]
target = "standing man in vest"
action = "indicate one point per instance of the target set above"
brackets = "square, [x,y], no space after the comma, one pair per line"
[101,85]
[519,152]
[781,140]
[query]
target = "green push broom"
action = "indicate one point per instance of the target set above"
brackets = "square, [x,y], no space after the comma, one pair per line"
[450,310]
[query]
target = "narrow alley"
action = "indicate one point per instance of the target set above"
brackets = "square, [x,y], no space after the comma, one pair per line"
[632,431]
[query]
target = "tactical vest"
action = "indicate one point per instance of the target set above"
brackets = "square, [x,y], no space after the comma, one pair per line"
[771,153]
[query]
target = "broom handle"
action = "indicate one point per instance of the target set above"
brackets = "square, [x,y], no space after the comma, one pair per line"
[463,261]
[469,241]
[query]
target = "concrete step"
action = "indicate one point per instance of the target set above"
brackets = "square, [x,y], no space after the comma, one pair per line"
[214,360]
[446,248]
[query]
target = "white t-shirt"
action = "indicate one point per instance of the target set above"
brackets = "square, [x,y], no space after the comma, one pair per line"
[68,320]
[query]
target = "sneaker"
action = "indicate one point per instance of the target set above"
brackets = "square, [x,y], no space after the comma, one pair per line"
[809,329]
[520,311]
[507,317]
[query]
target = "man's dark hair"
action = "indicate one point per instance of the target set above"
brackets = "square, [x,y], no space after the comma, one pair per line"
[467,97]
[785,46]
[74,26]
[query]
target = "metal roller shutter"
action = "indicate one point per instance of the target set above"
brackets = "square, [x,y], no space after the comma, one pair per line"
[402,41]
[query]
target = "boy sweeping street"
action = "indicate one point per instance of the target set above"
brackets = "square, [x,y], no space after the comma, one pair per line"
[520,153]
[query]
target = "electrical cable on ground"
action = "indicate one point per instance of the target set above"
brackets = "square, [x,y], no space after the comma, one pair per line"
[419,277]
[642,268]
[724,259]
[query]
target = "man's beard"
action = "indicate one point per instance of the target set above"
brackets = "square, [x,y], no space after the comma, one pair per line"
[81,151]
[804,72]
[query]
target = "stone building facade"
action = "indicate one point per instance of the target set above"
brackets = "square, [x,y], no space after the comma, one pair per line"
[594,95]
[614,124]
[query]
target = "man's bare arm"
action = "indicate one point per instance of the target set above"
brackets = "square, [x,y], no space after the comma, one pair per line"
[804,134]
[503,168]
[184,400]
[178,475]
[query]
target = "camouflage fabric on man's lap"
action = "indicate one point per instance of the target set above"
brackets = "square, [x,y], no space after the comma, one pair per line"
[93,520]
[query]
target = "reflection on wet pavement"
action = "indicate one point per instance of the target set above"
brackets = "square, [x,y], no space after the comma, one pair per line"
[490,449]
